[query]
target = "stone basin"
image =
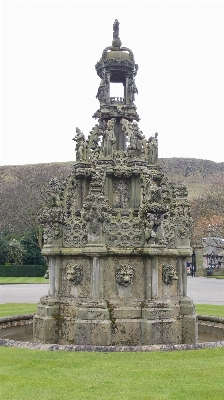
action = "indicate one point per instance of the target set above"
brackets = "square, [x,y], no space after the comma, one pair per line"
[20,328]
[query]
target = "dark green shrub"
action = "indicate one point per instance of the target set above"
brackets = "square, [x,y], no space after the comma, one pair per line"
[22,270]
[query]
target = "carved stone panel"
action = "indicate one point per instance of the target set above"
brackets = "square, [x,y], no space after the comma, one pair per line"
[121,193]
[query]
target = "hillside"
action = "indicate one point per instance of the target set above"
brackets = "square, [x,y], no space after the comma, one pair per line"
[23,187]
[196,174]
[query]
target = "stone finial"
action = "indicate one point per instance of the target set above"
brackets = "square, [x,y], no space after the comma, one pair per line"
[116,40]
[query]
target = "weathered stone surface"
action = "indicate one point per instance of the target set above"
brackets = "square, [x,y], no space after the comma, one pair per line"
[116,232]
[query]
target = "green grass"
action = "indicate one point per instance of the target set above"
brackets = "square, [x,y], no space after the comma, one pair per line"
[30,374]
[11,309]
[22,279]
[216,276]
[40,375]
[210,309]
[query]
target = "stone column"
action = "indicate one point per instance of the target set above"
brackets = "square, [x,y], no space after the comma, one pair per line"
[184,276]
[57,276]
[52,277]
[199,260]
[154,278]
[148,280]
[96,278]
[180,277]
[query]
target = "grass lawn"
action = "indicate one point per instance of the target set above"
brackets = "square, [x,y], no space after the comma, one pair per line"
[21,279]
[31,374]
[216,277]
[44,375]
[210,309]
[11,309]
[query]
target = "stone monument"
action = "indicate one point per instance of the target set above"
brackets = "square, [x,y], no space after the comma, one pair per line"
[116,232]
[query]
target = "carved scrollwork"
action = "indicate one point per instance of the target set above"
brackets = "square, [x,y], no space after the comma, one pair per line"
[74,273]
[169,274]
[124,274]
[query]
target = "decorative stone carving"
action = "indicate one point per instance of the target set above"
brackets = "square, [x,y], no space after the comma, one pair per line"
[121,168]
[124,274]
[53,216]
[75,232]
[124,231]
[74,273]
[169,274]
[53,193]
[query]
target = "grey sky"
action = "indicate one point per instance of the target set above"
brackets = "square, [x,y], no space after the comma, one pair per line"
[49,83]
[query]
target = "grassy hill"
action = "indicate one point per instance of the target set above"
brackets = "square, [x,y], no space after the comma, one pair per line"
[196,174]
[23,187]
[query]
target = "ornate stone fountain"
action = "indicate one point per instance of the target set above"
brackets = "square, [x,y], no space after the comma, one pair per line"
[116,232]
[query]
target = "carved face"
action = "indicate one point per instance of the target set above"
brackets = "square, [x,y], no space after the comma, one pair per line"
[75,273]
[57,230]
[124,274]
[169,274]
[182,232]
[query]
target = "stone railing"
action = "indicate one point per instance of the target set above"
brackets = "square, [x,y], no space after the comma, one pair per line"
[120,100]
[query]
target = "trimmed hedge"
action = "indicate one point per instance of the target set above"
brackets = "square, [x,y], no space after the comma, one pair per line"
[23,270]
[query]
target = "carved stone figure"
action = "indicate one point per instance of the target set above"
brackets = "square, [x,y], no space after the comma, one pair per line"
[116,40]
[124,274]
[132,90]
[149,232]
[53,192]
[80,145]
[121,194]
[103,90]
[169,274]
[109,139]
[153,149]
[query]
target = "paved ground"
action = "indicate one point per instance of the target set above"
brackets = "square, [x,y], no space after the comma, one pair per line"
[200,290]
[22,293]
[205,290]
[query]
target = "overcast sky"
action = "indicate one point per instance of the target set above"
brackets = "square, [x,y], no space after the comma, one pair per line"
[49,82]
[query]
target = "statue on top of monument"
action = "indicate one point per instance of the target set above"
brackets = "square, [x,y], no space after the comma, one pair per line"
[116,40]
[152,145]
[132,89]
[109,139]
[80,145]
[103,90]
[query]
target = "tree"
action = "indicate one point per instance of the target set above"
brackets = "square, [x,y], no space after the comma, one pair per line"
[23,194]
[208,212]
[32,252]
[15,252]
[3,251]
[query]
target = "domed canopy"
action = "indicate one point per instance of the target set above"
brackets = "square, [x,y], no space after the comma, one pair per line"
[116,58]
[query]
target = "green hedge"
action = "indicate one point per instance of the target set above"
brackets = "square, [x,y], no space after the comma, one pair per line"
[23,270]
